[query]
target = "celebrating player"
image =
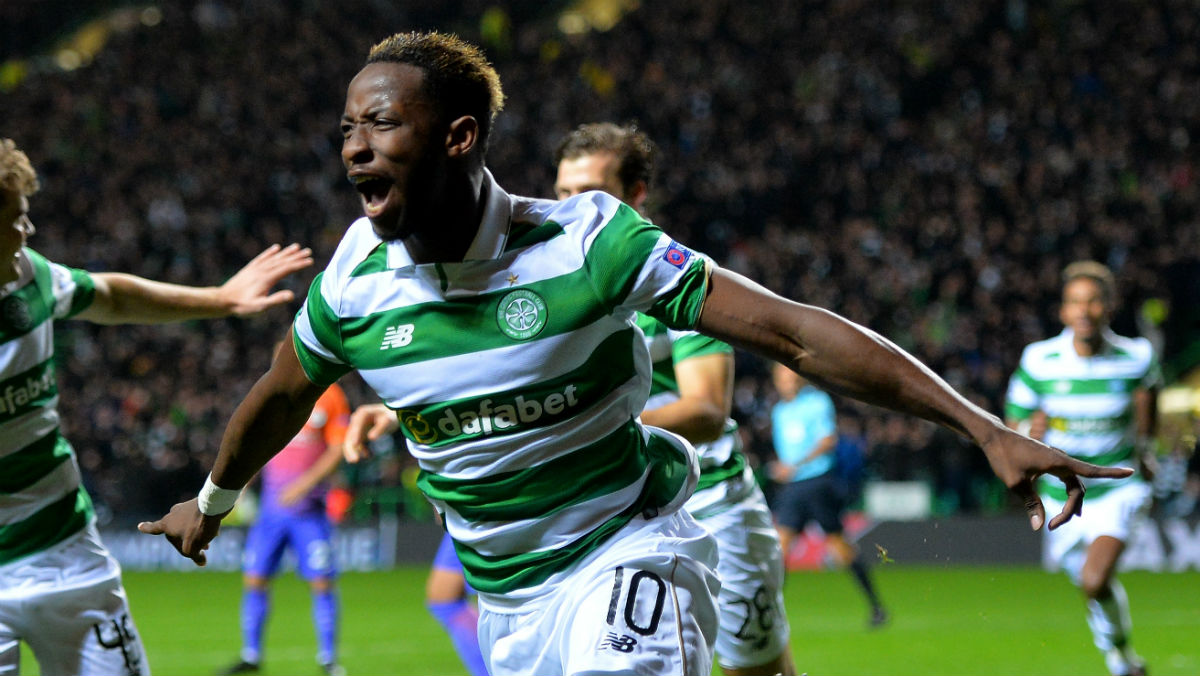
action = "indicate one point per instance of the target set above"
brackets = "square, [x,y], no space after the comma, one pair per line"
[62,591]
[500,330]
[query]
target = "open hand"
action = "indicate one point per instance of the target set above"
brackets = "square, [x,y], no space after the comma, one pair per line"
[248,291]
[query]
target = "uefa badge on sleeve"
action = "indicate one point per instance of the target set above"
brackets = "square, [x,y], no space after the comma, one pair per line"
[677,255]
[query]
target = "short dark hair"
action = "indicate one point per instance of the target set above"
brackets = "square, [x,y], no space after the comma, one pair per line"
[458,77]
[634,150]
[1097,272]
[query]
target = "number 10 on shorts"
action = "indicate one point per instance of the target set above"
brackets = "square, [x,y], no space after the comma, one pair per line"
[637,610]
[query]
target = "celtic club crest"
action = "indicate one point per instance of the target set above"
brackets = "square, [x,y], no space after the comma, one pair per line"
[521,314]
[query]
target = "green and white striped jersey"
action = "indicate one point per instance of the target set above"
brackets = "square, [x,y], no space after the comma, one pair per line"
[723,479]
[1088,401]
[517,375]
[42,501]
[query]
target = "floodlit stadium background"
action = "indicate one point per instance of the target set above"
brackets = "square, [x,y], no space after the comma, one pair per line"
[924,168]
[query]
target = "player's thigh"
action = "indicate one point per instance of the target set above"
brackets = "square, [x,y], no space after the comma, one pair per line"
[1119,512]
[311,538]
[656,615]
[636,619]
[753,625]
[647,605]
[1114,514]
[263,549]
[86,630]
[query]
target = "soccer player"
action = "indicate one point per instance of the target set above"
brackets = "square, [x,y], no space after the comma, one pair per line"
[61,590]
[804,429]
[292,515]
[691,394]
[500,331]
[1092,393]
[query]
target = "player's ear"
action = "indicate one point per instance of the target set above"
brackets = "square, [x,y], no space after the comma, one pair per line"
[637,195]
[462,136]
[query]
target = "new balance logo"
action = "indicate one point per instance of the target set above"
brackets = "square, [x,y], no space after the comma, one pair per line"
[618,642]
[397,336]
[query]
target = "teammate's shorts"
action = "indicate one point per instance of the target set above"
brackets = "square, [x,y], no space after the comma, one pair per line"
[310,538]
[819,499]
[753,626]
[644,604]
[68,605]
[1115,514]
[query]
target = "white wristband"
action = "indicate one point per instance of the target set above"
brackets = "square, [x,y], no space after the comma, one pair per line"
[214,500]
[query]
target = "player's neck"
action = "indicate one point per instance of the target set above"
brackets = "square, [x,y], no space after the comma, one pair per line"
[458,223]
[1088,347]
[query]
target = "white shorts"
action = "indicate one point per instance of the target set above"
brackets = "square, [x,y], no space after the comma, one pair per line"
[68,604]
[644,604]
[753,626]
[1115,514]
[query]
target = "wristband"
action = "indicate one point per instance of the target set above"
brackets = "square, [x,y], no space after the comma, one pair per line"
[214,500]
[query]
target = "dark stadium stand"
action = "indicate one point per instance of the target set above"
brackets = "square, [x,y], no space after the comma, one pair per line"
[924,168]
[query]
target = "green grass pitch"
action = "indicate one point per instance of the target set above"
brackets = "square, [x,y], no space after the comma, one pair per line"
[944,621]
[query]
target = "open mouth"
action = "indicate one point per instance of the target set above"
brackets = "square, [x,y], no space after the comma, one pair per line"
[374,191]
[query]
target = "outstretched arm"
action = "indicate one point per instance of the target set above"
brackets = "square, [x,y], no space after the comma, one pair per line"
[851,360]
[271,414]
[128,299]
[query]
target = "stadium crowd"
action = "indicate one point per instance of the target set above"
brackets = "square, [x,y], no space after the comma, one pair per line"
[926,169]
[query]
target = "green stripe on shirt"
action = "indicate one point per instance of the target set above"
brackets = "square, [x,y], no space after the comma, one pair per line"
[47,527]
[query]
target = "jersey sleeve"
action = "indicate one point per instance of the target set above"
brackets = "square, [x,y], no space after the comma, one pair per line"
[317,336]
[688,344]
[337,415]
[72,290]
[634,266]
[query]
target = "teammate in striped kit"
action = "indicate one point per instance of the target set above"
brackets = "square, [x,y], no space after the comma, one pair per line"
[691,394]
[1092,393]
[61,590]
[500,330]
